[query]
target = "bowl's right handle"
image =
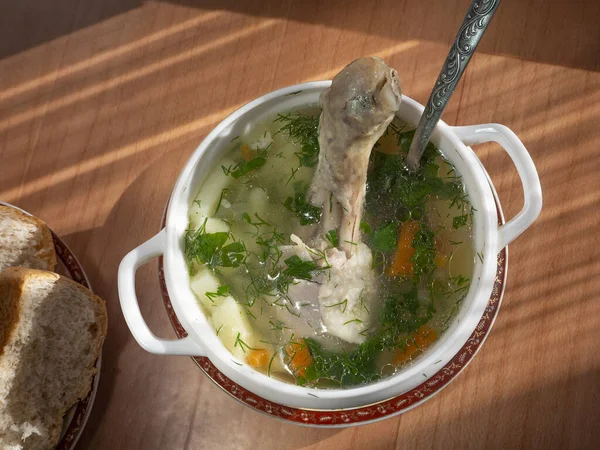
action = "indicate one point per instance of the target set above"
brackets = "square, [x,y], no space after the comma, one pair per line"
[131,308]
[532,190]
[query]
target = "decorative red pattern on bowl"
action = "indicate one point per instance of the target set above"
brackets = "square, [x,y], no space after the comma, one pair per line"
[370,413]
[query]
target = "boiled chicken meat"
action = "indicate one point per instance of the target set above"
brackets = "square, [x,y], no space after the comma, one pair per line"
[357,108]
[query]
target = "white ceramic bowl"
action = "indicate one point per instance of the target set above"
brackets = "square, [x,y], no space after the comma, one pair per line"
[489,238]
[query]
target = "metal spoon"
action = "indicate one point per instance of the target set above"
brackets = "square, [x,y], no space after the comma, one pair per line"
[478,17]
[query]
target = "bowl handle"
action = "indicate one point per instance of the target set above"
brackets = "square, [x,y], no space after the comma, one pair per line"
[532,190]
[130,305]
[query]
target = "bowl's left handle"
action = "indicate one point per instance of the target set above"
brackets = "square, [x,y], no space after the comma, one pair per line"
[131,309]
[532,190]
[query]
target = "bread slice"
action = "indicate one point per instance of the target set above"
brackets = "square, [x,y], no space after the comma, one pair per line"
[25,241]
[51,333]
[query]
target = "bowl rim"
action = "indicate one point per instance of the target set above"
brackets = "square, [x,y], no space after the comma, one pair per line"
[351,397]
[342,418]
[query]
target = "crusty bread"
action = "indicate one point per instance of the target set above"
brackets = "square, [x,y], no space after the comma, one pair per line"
[51,333]
[25,241]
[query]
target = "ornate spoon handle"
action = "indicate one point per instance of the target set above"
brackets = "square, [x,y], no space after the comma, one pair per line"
[478,17]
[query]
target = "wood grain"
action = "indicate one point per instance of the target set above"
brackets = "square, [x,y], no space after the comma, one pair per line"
[102,102]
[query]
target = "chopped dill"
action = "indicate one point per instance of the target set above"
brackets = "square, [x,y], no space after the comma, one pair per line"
[223,191]
[222,291]
[297,268]
[303,129]
[306,212]
[242,344]
[353,321]
[332,237]
[460,221]
[266,269]
[294,171]
[212,249]
[424,257]
[278,326]
[293,313]
[243,168]
[385,237]
[365,227]
[259,223]
[362,302]
[271,363]
[344,304]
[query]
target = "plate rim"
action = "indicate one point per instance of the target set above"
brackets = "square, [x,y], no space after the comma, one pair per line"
[83,408]
[394,406]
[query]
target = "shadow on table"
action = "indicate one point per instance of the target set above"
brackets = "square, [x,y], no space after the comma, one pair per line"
[46,21]
[561,414]
[134,211]
[522,420]
[95,248]
[562,33]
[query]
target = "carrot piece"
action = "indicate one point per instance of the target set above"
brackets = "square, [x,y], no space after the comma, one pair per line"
[299,356]
[258,358]
[404,354]
[415,344]
[425,336]
[401,264]
[246,152]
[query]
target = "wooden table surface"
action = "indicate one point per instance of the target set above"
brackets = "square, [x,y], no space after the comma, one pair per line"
[103,101]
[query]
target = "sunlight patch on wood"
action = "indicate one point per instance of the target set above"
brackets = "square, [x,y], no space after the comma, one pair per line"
[113,156]
[134,74]
[106,56]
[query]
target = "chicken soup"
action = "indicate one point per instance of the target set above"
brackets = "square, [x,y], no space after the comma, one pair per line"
[317,255]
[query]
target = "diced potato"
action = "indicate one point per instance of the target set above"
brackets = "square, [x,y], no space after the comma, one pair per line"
[258,137]
[289,150]
[231,323]
[201,283]
[279,139]
[210,192]
[263,142]
[258,202]
[213,225]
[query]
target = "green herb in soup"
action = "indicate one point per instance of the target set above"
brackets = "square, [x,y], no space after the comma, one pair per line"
[319,258]
[418,226]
